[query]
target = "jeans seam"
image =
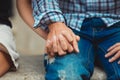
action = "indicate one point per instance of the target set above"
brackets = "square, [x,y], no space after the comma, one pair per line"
[112,64]
[88,57]
[93,33]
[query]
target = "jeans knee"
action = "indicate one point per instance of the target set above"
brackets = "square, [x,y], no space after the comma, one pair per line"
[63,75]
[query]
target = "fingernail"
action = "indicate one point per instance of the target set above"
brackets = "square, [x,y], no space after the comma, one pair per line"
[106,55]
[108,49]
[118,62]
[78,50]
[110,60]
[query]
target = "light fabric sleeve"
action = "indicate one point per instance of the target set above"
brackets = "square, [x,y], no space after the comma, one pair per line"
[46,12]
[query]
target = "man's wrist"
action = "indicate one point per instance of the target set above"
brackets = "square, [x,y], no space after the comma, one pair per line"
[55,24]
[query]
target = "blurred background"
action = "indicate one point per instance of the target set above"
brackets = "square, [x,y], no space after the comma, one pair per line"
[27,41]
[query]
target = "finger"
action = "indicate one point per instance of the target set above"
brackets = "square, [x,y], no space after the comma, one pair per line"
[60,50]
[112,47]
[73,35]
[62,42]
[69,46]
[75,46]
[115,57]
[119,62]
[113,51]
[51,54]
[54,48]
[68,36]
[48,53]
[48,46]
[77,38]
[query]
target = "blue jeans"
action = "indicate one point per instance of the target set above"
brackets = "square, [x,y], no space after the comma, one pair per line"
[95,39]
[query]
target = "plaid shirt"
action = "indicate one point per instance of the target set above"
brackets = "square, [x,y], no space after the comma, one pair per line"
[73,12]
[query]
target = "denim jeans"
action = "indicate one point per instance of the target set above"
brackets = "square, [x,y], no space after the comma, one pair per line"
[95,39]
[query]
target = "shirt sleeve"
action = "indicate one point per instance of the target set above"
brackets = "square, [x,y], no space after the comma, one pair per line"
[46,12]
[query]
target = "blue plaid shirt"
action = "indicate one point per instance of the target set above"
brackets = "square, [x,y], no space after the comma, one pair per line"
[73,12]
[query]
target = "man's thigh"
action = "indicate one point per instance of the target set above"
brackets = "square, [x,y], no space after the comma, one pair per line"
[112,69]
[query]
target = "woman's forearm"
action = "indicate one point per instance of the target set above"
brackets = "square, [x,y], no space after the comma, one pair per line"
[25,11]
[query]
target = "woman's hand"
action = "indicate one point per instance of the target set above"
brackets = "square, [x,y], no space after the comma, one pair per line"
[114,50]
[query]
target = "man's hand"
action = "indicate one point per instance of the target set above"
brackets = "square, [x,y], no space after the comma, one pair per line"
[114,50]
[61,39]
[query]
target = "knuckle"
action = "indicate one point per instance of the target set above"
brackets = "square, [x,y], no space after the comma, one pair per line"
[54,45]
[55,50]
[70,50]
[61,39]
[62,53]
[47,46]
[63,31]
[48,42]
[114,58]
[119,51]
[60,36]
[65,48]
[118,54]
[75,44]
[117,44]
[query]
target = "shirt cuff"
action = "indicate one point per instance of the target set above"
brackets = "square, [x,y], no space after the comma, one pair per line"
[47,19]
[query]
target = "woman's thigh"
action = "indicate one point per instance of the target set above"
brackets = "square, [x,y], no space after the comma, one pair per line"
[73,66]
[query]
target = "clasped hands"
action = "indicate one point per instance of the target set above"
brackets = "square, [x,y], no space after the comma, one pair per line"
[61,40]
